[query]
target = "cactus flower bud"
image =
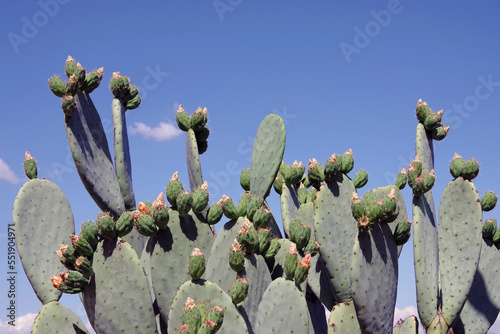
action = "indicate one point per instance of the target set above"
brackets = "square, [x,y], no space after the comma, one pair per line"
[247,236]
[239,291]
[402,179]
[184,203]
[402,232]
[457,165]
[199,119]
[30,168]
[243,204]
[173,189]
[489,228]
[278,183]
[106,228]
[72,85]
[124,224]
[196,264]
[70,66]
[312,247]
[216,315]
[291,262]
[273,249]
[192,316]
[347,162]
[422,110]
[88,231]
[360,179]
[302,194]
[57,86]
[470,170]
[489,201]
[68,105]
[228,207]
[440,132]
[302,269]
[92,80]
[236,257]
[316,172]
[245,179]
[432,121]
[83,265]
[253,205]
[264,238]
[200,198]
[183,119]
[81,245]
[214,214]
[144,223]
[261,217]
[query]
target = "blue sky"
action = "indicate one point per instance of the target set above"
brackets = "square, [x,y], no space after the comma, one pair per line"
[342,75]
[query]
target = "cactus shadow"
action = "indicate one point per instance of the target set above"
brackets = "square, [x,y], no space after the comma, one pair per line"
[78,330]
[189,228]
[164,239]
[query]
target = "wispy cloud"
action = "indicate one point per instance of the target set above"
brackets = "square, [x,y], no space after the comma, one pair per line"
[23,325]
[7,174]
[161,132]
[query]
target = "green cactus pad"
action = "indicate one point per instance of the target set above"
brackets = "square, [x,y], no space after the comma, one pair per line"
[123,165]
[289,206]
[267,154]
[117,269]
[425,242]
[218,268]
[212,295]
[56,318]
[483,304]
[193,162]
[281,295]
[408,326]
[374,273]
[343,319]
[460,215]
[170,250]
[42,220]
[336,229]
[89,147]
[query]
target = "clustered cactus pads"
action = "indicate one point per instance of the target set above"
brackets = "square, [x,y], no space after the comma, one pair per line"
[339,249]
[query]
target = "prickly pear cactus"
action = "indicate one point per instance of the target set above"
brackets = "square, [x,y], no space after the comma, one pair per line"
[154,268]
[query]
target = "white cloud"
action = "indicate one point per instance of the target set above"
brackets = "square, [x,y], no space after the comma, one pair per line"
[7,174]
[23,325]
[162,132]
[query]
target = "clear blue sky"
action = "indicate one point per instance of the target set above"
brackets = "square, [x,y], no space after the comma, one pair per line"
[342,75]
